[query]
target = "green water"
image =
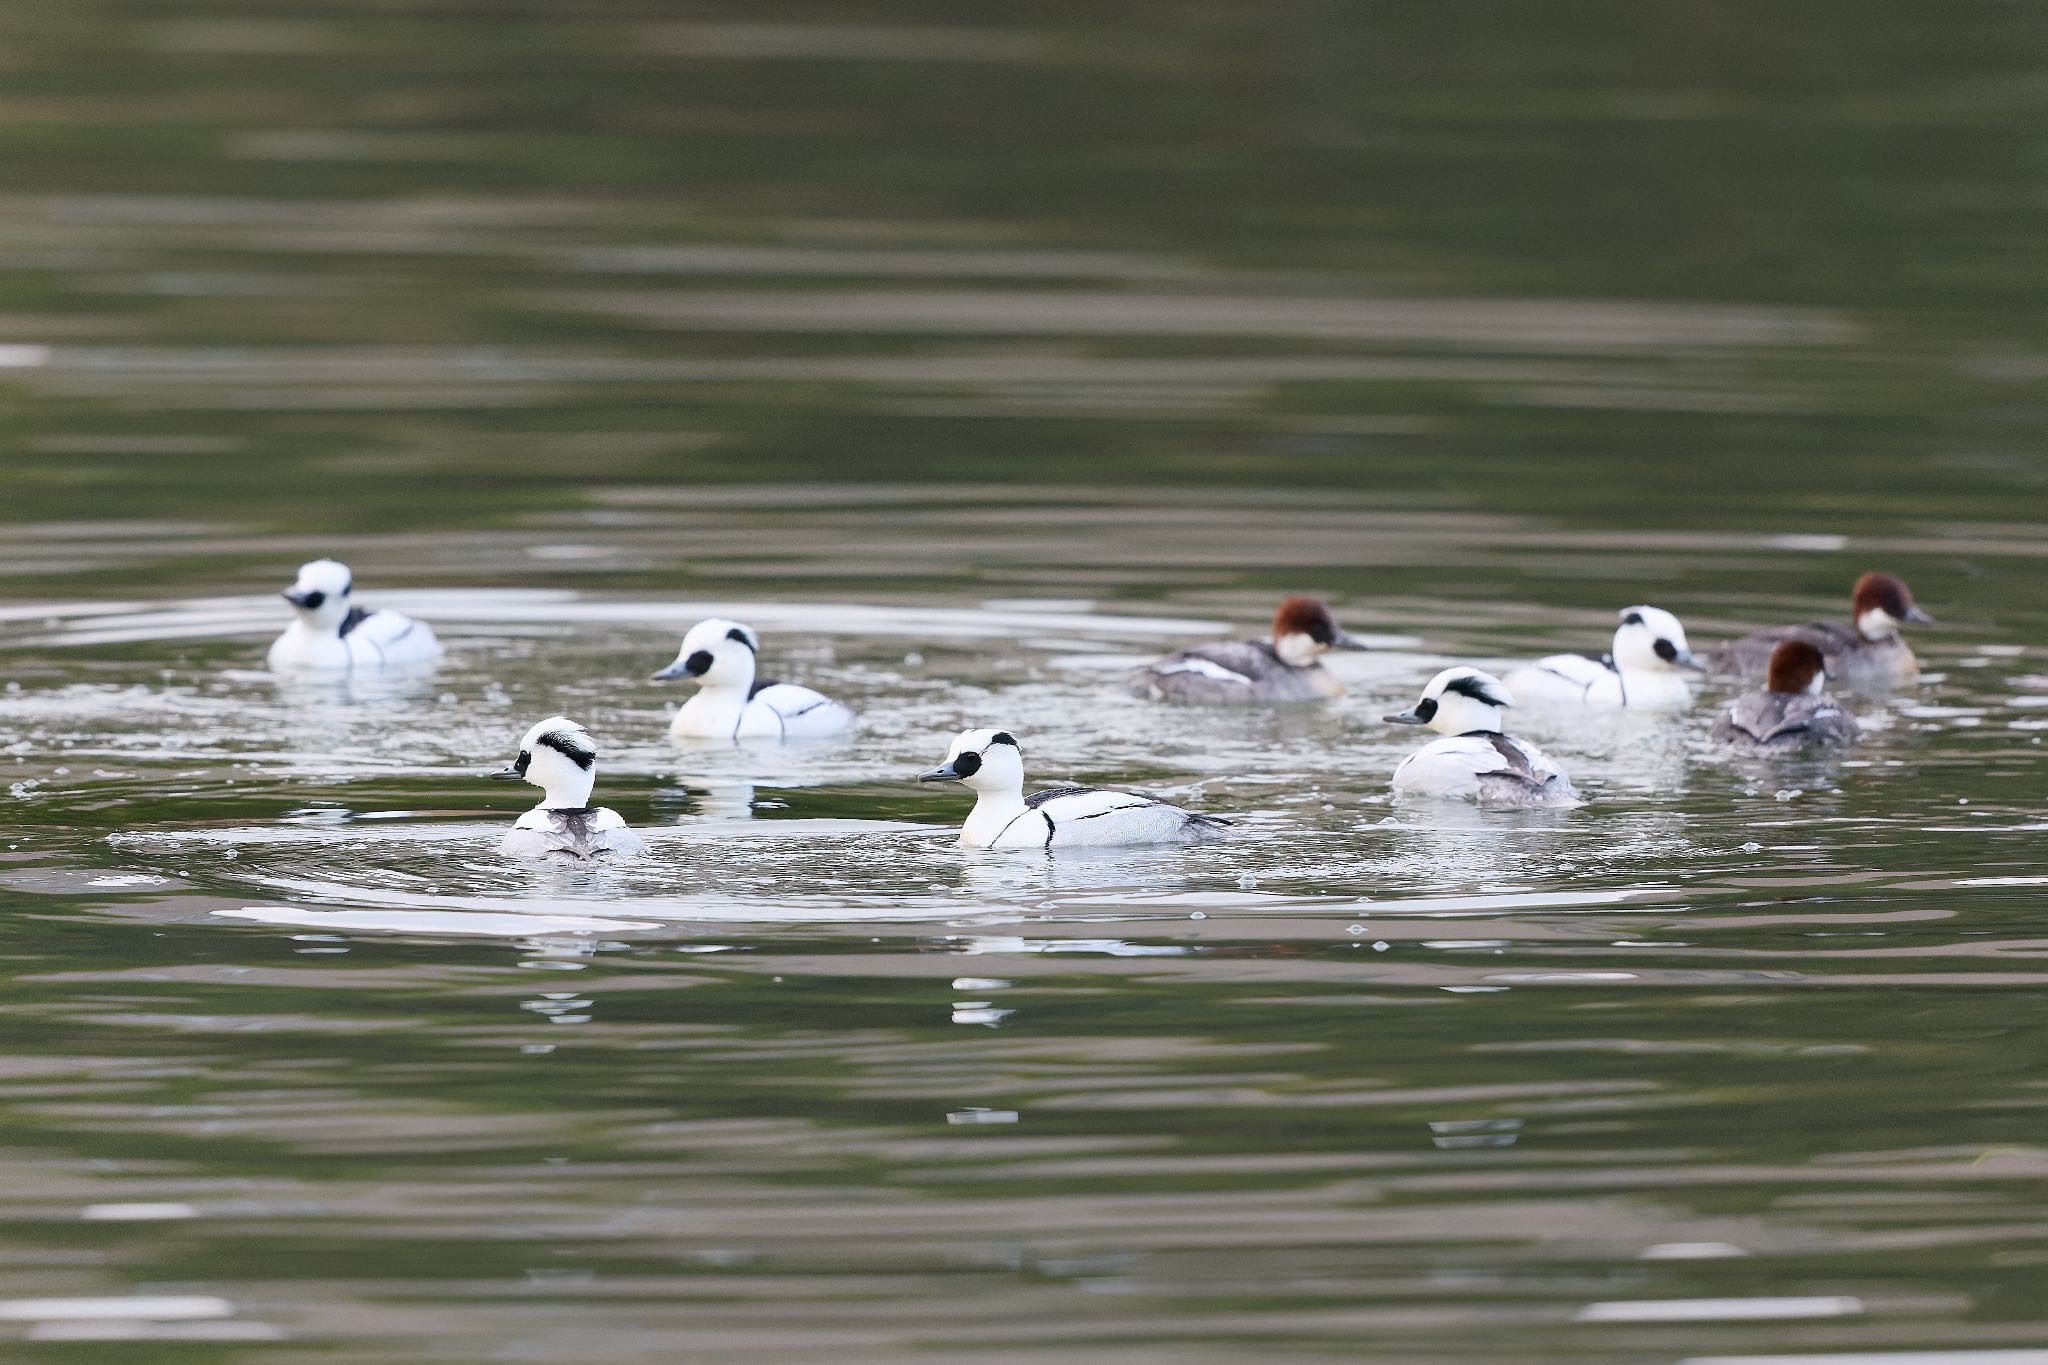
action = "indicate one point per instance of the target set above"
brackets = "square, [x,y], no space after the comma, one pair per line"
[973,358]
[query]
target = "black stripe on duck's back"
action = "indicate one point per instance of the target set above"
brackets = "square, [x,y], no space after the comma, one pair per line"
[1037,799]
[356,616]
[1519,766]
[762,685]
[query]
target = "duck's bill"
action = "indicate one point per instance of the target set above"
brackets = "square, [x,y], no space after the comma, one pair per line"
[1689,664]
[671,673]
[1918,617]
[295,596]
[943,773]
[1346,640]
[1404,718]
[506,775]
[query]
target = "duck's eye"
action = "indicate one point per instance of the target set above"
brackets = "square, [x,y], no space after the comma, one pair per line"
[1666,650]
[314,599]
[1426,709]
[967,765]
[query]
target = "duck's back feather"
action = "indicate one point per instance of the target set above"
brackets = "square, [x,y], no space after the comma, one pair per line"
[1487,767]
[1232,673]
[588,834]
[1098,817]
[1785,720]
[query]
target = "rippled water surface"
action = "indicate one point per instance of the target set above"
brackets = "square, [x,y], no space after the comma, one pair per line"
[973,360]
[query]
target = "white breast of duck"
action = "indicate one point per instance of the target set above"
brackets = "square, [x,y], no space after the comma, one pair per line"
[559,757]
[732,703]
[1792,712]
[1254,672]
[1646,669]
[991,764]
[1474,761]
[329,631]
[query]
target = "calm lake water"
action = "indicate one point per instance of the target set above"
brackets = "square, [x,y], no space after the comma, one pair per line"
[972,365]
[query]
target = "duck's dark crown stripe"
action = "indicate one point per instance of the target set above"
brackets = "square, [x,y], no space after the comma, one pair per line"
[568,749]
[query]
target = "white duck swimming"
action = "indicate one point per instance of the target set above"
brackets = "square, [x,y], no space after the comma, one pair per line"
[992,766]
[1287,669]
[559,757]
[331,632]
[1643,672]
[1791,712]
[1474,761]
[730,704]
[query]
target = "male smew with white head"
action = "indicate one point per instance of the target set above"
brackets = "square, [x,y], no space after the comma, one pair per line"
[329,631]
[733,703]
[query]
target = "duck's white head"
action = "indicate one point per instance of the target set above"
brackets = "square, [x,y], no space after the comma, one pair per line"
[1304,630]
[986,760]
[1651,639]
[321,594]
[1458,701]
[560,758]
[1883,603]
[717,653]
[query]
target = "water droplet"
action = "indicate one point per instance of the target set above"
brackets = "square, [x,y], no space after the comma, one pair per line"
[1752,848]
[1379,945]
[1354,929]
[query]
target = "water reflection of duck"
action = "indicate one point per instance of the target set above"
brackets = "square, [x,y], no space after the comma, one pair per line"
[1643,671]
[731,703]
[990,763]
[559,757]
[1254,672]
[1474,761]
[1791,712]
[331,632]
[1865,653]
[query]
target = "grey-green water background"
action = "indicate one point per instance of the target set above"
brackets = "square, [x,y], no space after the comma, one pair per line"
[973,354]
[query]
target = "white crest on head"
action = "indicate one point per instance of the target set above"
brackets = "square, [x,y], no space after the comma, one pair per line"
[559,756]
[321,592]
[1650,638]
[570,732]
[999,761]
[731,647]
[1461,699]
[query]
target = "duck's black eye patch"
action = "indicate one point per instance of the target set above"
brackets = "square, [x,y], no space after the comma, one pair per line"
[568,749]
[523,762]
[1665,650]
[1003,737]
[1426,709]
[1323,630]
[967,765]
[737,634]
[1634,618]
[314,599]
